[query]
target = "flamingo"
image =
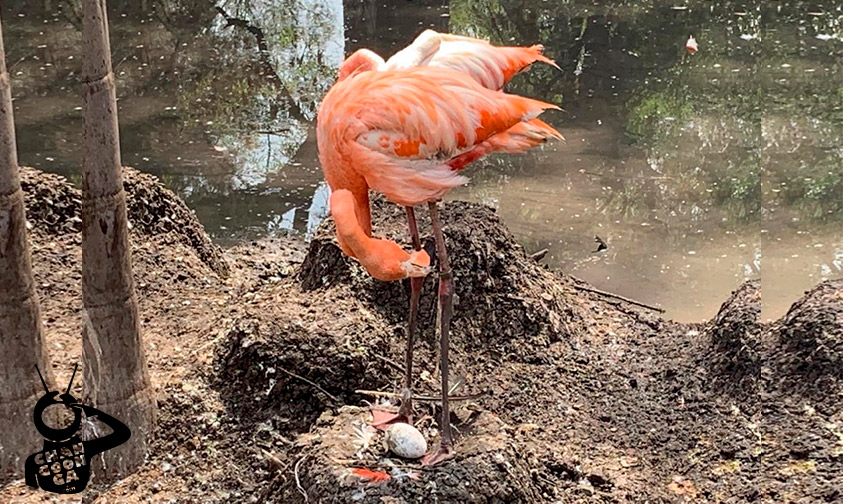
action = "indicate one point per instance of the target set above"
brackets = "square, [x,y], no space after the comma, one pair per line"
[406,127]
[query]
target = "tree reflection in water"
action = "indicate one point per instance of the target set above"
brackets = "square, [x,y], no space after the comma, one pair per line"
[690,166]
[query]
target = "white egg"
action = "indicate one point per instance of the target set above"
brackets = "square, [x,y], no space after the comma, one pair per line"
[405,441]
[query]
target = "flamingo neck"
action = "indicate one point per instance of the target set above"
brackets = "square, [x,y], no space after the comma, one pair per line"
[362,210]
[351,234]
[383,259]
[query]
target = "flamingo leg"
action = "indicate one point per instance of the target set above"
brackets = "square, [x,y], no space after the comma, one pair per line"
[415,294]
[446,304]
[383,419]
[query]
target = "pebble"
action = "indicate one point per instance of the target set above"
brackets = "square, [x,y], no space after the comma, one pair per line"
[405,441]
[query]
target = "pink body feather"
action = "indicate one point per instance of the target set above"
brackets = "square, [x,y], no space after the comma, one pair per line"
[405,127]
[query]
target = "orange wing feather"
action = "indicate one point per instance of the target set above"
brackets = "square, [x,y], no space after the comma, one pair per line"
[491,66]
[401,127]
[406,127]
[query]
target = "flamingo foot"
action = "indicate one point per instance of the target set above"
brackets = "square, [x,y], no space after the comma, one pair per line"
[443,452]
[382,418]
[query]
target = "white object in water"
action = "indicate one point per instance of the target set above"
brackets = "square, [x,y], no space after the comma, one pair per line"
[405,441]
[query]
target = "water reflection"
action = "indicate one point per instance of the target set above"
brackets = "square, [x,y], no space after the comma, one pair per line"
[694,168]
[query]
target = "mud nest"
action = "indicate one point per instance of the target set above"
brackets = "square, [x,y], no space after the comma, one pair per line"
[488,467]
[807,344]
[520,339]
[735,339]
[505,301]
[288,373]
[53,205]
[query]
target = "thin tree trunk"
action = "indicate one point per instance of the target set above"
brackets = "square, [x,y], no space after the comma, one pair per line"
[21,333]
[116,379]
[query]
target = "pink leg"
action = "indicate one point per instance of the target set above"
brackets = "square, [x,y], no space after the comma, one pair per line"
[415,293]
[446,304]
[405,413]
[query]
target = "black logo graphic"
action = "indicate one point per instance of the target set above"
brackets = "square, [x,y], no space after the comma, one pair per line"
[63,465]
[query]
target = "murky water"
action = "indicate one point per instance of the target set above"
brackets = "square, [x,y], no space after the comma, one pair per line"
[693,168]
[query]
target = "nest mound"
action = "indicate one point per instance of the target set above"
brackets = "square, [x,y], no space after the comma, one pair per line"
[735,340]
[505,301]
[807,344]
[289,363]
[157,210]
[527,345]
[487,468]
[53,205]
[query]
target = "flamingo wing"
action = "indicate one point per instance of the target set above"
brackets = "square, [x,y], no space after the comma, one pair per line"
[519,138]
[403,128]
[491,66]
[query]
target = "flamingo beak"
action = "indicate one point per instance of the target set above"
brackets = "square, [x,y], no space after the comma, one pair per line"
[416,270]
[418,265]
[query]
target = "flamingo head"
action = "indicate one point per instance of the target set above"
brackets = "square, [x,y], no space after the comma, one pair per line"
[361,61]
[418,265]
[387,261]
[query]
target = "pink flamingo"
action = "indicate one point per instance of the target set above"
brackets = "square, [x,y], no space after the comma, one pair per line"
[406,127]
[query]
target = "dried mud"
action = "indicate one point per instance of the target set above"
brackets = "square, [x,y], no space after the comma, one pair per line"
[582,398]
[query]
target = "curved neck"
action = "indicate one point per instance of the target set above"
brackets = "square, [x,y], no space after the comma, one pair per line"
[383,259]
[362,210]
[352,219]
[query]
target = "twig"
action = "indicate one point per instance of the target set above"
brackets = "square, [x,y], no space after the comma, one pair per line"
[302,378]
[275,461]
[538,256]
[296,474]
[469,397]
[391,362]
[618,296]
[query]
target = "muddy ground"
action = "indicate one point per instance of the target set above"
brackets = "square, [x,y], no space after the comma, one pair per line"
[257,354]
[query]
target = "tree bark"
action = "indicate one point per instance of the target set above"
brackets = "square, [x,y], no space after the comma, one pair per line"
[116,379]
[21,333]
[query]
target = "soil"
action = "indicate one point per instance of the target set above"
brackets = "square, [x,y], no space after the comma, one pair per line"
[259,354]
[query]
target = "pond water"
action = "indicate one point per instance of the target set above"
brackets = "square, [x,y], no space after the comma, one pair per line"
[693,168]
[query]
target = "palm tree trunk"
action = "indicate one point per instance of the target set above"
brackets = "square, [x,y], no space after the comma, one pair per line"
[116,379]
[21,333]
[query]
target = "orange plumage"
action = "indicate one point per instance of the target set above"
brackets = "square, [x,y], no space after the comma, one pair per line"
[370,475]
[405,127]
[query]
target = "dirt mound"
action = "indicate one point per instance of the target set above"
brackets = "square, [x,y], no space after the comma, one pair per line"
[488,468]
[157,210]
[543,355]
[735,339]
[288,367]
[505,301]
[807,345]
[574,396]
[53,206]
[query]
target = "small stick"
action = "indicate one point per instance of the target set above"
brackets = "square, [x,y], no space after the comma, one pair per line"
[377,393]
[296,473]
[618,296]
[538,256]
[275,461]
[390,362]
[302,378]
